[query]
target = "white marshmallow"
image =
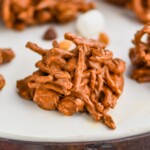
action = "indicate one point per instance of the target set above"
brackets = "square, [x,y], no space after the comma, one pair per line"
[90,24]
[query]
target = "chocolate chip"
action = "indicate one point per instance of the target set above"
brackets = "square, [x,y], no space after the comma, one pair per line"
[50,34]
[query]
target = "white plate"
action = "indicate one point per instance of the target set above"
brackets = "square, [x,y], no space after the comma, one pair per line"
[23,120]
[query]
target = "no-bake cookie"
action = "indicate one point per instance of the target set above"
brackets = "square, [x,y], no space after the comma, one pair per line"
[140,55]
[18,14]
[84,79]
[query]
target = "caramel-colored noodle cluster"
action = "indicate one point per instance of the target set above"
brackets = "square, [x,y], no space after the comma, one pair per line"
[141,8]
[84,79]
[18,14]
[2,82]
[140,55]
[6,55]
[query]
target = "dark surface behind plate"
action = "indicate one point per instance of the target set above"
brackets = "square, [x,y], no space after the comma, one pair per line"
[141,142]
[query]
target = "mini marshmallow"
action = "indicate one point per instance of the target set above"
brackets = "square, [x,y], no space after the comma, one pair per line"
[90,24]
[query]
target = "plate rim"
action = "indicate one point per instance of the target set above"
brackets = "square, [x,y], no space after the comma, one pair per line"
[133,142]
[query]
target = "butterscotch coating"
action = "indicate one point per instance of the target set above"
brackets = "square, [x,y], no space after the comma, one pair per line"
[141,8]
[6,55]
[141,74]
[2,82]
[84,79]
[18,14]
[140,55]
[47,99]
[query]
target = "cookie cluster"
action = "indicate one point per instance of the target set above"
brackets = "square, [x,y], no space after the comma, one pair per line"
[18,14]
[85,79]
[140,55]
[6,55]
[141,8]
